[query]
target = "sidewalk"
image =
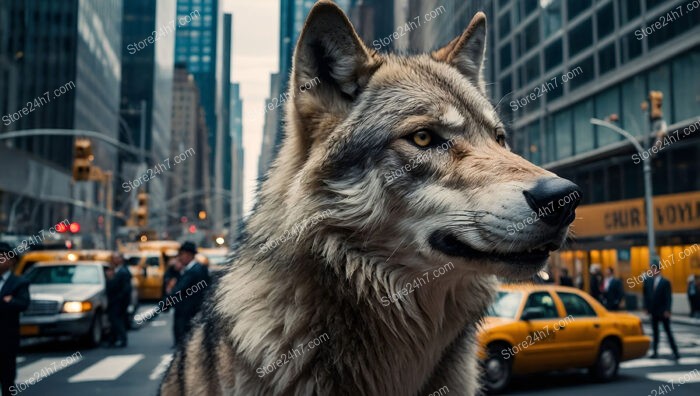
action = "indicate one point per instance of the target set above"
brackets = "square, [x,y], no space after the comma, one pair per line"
[675,318]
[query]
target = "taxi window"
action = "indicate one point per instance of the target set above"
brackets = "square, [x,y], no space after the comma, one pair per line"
[132,260]
[153,261]
[575,305]
[545,301]
[27,266]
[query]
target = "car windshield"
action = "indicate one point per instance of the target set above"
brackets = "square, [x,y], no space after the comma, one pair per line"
[506,305]
[132,260]
[65,275]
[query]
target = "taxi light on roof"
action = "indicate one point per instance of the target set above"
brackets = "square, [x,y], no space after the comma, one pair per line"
[72,257]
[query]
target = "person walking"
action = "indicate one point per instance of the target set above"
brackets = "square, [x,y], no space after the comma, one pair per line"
[14,298]
[118,299]
[657,303]
[565,279]
[694,295]
[596,281]
[612,291]
[188,294]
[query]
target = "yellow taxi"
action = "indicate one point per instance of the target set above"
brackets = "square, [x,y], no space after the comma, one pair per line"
[148,263]
[537,328]
[29,259]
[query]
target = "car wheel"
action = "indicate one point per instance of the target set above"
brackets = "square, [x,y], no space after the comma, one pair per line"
[497,369]
[608,362]
[94,336]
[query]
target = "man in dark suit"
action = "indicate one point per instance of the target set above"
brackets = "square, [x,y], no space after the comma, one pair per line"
[188,294]
[565,279]
[14,298]
[657,303]
[612,291]
[118,299]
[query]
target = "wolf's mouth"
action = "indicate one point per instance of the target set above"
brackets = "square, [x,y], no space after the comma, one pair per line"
[451,246]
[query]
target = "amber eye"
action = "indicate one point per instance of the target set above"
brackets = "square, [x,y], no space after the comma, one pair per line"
[422,138]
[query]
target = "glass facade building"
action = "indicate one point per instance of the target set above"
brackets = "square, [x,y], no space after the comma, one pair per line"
[197,46]
[558,63]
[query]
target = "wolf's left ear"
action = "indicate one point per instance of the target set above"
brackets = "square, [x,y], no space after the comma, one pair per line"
[329,49]
[467,52]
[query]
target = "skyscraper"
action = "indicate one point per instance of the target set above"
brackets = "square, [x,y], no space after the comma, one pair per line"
[237,160]
[50,56]
[197,47]
[148,31]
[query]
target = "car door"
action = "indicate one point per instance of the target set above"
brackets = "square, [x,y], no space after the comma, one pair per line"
[538,351]
[582,329]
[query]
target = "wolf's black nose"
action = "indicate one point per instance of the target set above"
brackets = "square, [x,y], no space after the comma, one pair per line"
[554,200]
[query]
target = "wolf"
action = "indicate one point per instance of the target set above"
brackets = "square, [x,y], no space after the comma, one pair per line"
[305,316]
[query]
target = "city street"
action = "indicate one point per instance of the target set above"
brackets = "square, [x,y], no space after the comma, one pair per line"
[134,370]
[137,369]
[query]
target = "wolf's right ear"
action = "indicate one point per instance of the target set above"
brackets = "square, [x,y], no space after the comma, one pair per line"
[330,51]
[468,51]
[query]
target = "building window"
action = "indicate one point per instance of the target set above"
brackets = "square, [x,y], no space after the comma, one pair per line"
[562,125]
[584,139]
[532,35]
[506,85]
[552,17]
[607,103]
[629,9]
[504,25]
[580,37]
[530,6]
[686,87]
[576,7]
[606,20]
[606,58]
[506,58]
[535,145]
[553,55]
[634,91]
[532,67]
[631,48]
[582,73]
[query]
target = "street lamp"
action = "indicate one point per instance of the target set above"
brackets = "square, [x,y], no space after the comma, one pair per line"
[648,195]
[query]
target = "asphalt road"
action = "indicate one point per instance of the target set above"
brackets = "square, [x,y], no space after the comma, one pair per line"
[66,368]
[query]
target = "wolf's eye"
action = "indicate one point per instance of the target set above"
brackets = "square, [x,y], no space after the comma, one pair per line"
[422,138]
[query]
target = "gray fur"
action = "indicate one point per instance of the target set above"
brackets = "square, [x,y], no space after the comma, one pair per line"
[342,137]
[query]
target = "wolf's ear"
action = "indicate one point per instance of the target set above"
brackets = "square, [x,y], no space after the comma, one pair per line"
[467,52]
[330,50]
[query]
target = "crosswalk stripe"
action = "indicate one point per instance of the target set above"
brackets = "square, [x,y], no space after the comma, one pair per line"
[161,367]
[677,377]
[645,363]
[42,368]
[107,369]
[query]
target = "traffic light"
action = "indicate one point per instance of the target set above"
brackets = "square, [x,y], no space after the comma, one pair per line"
[656,98]
[142,210]
[82,160]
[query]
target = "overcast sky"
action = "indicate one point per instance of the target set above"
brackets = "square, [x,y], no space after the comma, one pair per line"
[255,51]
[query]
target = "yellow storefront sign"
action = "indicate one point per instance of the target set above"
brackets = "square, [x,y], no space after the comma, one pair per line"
[674,212]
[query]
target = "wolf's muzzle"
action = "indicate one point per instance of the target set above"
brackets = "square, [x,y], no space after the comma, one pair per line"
[555,200]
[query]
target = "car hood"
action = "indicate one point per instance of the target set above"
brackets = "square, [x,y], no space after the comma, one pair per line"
[65,292]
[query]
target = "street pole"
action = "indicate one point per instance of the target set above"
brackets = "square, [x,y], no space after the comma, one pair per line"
[648,188]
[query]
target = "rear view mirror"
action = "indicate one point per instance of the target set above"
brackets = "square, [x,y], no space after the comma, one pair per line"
[532,313]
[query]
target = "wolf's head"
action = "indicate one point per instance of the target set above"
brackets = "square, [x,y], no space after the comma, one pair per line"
[410,155]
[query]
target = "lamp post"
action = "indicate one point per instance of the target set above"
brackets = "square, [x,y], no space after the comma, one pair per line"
[648,194]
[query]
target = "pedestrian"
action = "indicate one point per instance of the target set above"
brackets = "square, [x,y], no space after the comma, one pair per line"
[14,298]
[657,303]
[612,291]
[694,295]
[596,281]
[565,279]
[118,300]
[188,294]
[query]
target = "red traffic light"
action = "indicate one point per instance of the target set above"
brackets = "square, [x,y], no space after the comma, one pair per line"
[74,228]
[192,229]
[61,228]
